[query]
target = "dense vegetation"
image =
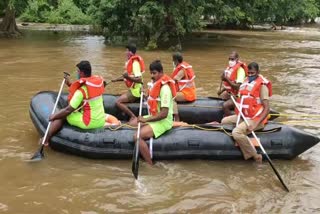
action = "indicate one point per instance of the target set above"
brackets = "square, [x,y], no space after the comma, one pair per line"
[158,21]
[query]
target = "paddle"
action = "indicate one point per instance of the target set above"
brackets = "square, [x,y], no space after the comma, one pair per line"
[135,159]
[40,154]
[260,145]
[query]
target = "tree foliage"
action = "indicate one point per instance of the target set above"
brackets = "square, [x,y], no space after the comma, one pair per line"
[8,26]
[56,12]
[155,22]
[152,21]
[247,12]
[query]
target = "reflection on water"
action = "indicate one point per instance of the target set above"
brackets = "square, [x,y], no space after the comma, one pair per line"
[68,184]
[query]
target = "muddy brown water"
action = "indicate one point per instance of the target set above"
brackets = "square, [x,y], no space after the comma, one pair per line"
[63,183]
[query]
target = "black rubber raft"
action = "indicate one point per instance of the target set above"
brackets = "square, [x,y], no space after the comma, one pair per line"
[197,142]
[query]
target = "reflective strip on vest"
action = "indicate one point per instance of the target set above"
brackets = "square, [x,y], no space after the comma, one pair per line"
[151,98]
[93,85]
[85,101]
[189,66]
[245,107]
[186,83]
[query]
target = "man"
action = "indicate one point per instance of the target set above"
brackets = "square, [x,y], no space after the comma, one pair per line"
[183,75]
[160,105]
[232,78]
[132,77]
[85,109]
[254,103]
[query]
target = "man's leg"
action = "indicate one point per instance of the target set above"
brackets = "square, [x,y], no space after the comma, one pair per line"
[175,112]
[230,120]
[55,126]
[227,106]
[248,150]
[146,133]
[225,95]
[179,98]
[124,98]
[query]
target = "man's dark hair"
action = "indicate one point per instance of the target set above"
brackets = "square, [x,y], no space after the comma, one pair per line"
[132,48]
[253,65]
[235,54]
[85,67]
[177,56]
[156,65]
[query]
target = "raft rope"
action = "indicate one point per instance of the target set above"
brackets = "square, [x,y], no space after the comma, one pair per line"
[279,114]
[190,126]
[298,122]
[294,115]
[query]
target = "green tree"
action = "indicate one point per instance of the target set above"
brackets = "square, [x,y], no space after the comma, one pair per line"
[8,26]
[152,22]
[54,11]
[243,13]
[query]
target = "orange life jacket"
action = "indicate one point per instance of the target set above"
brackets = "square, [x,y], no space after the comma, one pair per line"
[154,93]
[250,101]
[94,85]
[231,73]
[186,85]
[129,69]
[95,89]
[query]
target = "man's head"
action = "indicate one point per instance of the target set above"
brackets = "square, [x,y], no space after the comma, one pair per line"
[84,69]
[253,71]
[177,58]
[131,50]
[233,58]
[156,70]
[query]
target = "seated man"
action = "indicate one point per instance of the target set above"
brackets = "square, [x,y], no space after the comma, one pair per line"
[254,103]
[160,105]
[85,109]
[232,78]
[132,77]
[183,75]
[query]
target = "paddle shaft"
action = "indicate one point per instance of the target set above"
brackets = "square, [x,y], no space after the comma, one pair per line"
[53,110]
[135,163]
[151,139]
[260,145]
[220,86]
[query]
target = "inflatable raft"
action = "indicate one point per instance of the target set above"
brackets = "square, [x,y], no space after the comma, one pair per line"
[194,142]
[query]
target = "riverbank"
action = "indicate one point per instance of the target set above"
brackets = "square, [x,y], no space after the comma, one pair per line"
[53,27]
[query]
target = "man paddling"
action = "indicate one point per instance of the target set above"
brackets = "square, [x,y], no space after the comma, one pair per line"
[183,75]
[254,103]
[232,78]
[134,68]
[85,108]
[160,105]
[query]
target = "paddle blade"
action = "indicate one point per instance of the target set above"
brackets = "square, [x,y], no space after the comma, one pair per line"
[135,162]
[277,173]
[38,155]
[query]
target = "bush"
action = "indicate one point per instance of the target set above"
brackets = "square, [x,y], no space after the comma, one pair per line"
[36,11]
[68,13]
[65,13]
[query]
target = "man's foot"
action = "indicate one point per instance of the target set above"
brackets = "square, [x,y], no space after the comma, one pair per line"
[133,121]
[213,123]
[46,143]
[258,158]
[133,118]
[178,124]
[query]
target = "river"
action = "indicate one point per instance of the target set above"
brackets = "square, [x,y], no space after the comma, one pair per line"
[64,183]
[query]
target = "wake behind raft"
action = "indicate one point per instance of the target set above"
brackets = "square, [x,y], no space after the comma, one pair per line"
[194,142]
